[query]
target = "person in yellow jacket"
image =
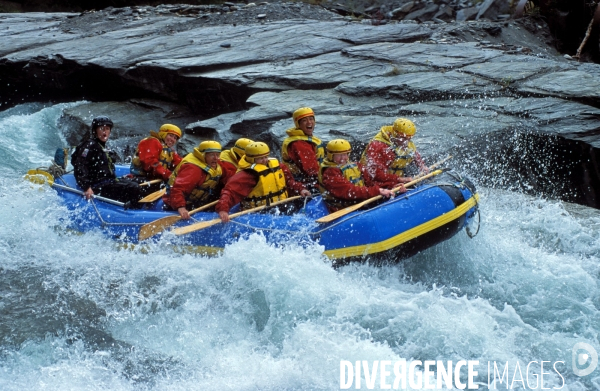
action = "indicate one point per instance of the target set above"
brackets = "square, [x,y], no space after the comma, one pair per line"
[197,180]
[260,180]
[302,151]
[230,158]
[156,157]
[341,181]
[392,151]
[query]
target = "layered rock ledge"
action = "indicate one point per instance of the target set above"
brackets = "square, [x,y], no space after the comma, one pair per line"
[514,113]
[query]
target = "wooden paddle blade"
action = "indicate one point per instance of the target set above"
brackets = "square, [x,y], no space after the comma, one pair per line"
[39,177]
[196,227]
[154,196]
[157,226]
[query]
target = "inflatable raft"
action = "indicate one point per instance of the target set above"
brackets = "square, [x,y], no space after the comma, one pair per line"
[390,230]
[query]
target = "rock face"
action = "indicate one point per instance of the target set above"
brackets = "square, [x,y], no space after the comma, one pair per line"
[513,112]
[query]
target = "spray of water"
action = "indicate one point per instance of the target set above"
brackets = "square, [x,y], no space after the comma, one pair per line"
[81,312]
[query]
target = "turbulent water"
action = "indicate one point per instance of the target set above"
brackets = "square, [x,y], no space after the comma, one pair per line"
[77,312]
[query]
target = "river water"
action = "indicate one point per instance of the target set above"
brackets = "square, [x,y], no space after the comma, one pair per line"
[77,312]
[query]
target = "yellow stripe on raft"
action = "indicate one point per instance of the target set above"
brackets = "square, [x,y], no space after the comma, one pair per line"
[404,237]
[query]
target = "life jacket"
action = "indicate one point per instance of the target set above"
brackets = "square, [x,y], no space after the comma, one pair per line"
[229,156]
[403,155]
[351,172]
[165,158]
[270,186]
[295,134]
[207,191]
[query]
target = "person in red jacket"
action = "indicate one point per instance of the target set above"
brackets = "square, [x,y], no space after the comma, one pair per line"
[260,180]
[392,151]
[230,158]
[197,180]
[301,151]
[155,157]
[341,181]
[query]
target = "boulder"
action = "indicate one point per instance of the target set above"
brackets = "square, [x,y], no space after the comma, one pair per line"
[490,9]
[467,14]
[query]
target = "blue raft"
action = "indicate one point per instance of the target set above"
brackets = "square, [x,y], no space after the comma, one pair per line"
[391,230]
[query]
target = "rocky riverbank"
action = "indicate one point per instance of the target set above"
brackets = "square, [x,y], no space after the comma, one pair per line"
[515,113]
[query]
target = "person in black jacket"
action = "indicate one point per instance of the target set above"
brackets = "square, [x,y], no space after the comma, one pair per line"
[94,167]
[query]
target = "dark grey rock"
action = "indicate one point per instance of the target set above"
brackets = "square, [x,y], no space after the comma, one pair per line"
[467,14]
[133,121]
[478,87]
[444,14]
[490,9]
[565,84]
[424,13]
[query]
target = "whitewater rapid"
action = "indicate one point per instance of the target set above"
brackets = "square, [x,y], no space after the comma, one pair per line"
[79,312]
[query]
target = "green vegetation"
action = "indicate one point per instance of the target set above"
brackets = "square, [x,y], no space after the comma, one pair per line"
[394,72]
[506,82]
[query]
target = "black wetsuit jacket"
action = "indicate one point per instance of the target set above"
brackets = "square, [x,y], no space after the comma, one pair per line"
[94,165]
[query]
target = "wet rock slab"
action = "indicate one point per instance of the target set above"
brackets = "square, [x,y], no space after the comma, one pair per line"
[472,86]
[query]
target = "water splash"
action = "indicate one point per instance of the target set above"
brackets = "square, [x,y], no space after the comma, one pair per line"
[88,314]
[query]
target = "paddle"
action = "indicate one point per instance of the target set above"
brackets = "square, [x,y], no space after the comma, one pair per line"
[154,196]
[345,211]
[157,226]
[41,177]
[209,223]
[96,197]
[434,165]
[152,182]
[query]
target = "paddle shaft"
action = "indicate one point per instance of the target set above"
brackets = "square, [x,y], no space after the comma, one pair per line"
[434,165]
[420,177]
[205,224]
[154,196]
[345,211]
[416,180]
[99,198]
[157,226]
[396,189]
[152,182]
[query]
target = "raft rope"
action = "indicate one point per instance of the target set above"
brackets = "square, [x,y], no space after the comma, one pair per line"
[55,170]
[104,223]
[295,232]
[471,232]
[466,183]
[340,221]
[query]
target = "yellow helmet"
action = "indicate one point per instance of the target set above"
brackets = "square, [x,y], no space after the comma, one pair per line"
[403,126]
[302,112]
[169,128]
[337,146]
[240,147]
[255,150]
[209,146]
